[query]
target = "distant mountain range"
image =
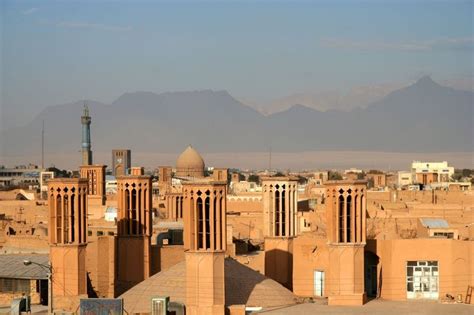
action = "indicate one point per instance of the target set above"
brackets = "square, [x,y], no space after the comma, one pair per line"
[423,117]
[356,97]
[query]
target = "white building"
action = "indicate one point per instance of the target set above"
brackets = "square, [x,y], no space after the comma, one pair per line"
[404,178]
[431,172]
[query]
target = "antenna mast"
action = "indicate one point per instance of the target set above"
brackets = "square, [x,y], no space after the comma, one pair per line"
[270,160]
[42,147]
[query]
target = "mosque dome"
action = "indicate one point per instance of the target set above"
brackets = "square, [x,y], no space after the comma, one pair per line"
[242,286]
[190,164]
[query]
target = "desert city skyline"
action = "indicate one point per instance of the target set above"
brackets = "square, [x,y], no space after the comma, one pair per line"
[241,157]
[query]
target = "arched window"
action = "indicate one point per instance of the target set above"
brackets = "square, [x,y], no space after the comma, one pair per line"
[356,219]
[207,206]
[341,218]
[84,216]
[79,204]
[222,227]
[59,219]
[283,211]
[277,211]
[176,214]
[66,219]
[145,200]
[133,212]
[348,218]
[73,218]
[139,212]
[126,211]
[200,221]
[215,221]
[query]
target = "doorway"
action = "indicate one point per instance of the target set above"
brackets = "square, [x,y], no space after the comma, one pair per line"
[318,283]
[371,274]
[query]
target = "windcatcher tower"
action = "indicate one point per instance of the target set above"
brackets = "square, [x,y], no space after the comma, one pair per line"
[68,240]
[86,137]
[346,232]
[205,245]
[95,175]
[134,230]
[280,202]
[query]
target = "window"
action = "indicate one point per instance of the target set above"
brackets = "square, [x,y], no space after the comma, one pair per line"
[341,218]
[200,220]
[207,222]
[422,279]
[14,285]
[277,210]
[444,234]
[283,210]
[348,218]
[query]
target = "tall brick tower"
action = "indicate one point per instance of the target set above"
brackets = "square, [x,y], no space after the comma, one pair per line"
[95,175]
[205,242]
[280,201]
[346,231]
[68,240]
[134,230]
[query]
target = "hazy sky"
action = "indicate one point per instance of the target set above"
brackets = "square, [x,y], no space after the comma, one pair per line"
[63,51]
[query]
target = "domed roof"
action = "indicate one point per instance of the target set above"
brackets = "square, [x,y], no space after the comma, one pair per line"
[242,286]
[190,159]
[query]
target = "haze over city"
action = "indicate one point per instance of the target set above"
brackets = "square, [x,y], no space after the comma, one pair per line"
[236,157]
[269,56]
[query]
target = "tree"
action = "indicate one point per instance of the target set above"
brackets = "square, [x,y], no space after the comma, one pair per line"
[59,173]
[457,175]
[302,180]
[254,178]
[333,175]
[370,183]
[466,172]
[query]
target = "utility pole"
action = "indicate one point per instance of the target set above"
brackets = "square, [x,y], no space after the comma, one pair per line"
[270,161]
[42,147]
[50,289]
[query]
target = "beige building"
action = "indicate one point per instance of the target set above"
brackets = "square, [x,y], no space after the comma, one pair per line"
[121,162]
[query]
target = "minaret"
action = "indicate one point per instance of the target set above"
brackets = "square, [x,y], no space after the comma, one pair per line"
[86,137]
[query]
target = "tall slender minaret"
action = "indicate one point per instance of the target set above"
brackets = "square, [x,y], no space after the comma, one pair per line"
[86,137]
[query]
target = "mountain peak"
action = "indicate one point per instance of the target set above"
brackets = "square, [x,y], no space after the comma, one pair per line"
[426,81]
[300,107]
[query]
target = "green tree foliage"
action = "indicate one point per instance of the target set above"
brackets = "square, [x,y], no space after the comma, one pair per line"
[302,180]
[333,175]
[59,173]
[254,178]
